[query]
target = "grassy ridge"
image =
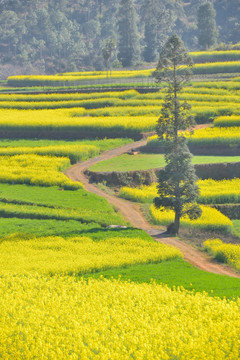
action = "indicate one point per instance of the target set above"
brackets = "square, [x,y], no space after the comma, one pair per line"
[128,162]
[102,145]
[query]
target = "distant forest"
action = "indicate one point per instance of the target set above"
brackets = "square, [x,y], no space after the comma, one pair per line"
[50,36]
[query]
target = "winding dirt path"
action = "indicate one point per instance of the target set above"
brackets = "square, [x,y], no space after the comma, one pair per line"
[132,214]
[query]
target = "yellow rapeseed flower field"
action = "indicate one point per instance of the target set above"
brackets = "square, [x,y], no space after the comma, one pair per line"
[219,191]
[65,119]
[78,77]
[211,191]
[79,254]
[216,135]
[23,80]
[216,55]
[211,219]
[227,253]
[229,135]
[227,121]
[65,319]
[36,170]
[144,194]
[73,152]
[114,73]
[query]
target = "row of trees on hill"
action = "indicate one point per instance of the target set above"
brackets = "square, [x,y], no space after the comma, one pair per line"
[67,35]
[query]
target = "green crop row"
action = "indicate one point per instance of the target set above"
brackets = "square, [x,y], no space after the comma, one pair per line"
[38,212]
[35,202]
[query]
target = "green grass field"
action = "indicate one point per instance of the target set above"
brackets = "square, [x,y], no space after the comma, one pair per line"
[35,202]
[43,227]
[176,273]
[173,273]
[128,162]
[104,145]
[236,229]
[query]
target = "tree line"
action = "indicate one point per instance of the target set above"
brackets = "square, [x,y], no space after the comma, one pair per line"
[49,36]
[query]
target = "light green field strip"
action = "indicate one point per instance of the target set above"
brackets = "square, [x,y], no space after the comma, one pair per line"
[103,145]
[128,162]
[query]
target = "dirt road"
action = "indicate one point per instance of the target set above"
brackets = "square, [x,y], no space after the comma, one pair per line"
[133,215]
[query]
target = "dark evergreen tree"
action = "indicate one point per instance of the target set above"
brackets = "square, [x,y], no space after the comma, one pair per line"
[128,38]
[108,51]
[177,189]
[228,20]
[158,23]
[207,30]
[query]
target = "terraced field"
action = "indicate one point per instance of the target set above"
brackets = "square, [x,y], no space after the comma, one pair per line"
[111,114]
[58,241]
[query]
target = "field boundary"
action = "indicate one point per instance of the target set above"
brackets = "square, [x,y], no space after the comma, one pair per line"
[131,213]
[217,171]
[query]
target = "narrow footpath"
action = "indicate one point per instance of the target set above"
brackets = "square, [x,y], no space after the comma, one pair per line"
[133,215]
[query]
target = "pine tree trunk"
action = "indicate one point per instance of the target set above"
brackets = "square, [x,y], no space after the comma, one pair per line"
[176,223]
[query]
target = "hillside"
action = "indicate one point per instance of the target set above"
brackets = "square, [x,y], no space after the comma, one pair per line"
[46,37]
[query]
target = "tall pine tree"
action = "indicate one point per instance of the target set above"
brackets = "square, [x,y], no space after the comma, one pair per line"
[177,189]
[207,30]
[128,38]
[157,24]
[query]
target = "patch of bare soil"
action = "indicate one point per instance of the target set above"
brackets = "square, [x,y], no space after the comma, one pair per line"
[133,215]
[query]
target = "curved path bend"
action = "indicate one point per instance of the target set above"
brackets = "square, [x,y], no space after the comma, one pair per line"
[132,213]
